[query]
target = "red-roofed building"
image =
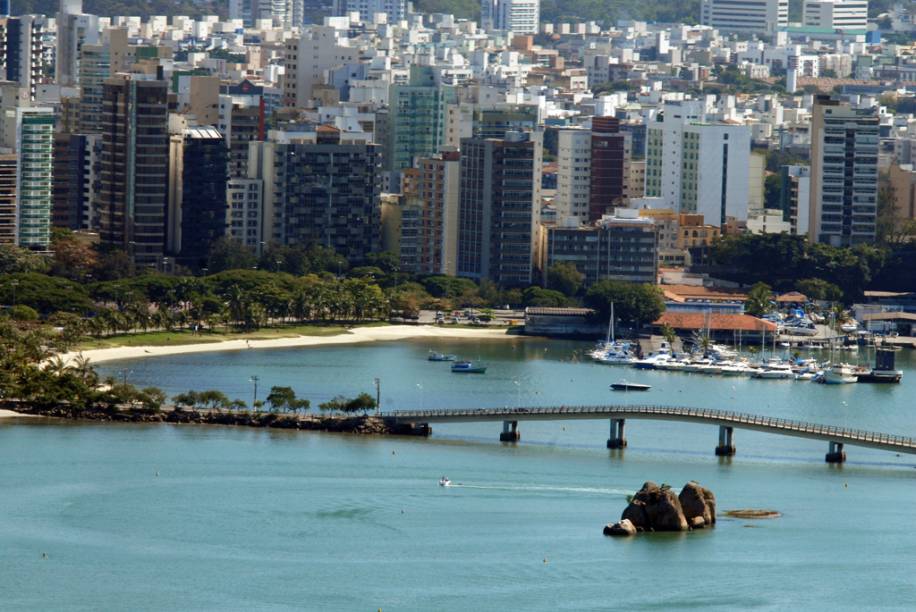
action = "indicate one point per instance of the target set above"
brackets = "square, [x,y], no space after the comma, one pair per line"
[720,325]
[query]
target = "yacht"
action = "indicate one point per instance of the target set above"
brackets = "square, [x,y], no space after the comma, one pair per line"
[839,374]
[445,482]
[618,354]
[655,358]
[774,369]
[433,356]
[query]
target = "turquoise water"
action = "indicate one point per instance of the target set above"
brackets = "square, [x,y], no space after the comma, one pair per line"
[207,518]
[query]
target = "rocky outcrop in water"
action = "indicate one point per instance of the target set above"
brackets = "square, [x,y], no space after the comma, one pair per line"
[658,508]
[698,504]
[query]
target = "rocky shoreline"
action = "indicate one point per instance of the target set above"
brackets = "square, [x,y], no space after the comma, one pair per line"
[361,424]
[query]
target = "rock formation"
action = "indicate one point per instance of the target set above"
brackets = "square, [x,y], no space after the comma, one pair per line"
[698,502]
[657,508]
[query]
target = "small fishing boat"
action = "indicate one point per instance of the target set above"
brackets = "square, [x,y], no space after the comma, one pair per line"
[468,367]
[625,386]
[445,482]
[433,356]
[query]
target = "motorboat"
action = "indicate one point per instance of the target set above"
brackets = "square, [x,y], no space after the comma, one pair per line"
[433,356]
[615,355]
[849,327]
[468,367]
[774,369]
[839,374]
[653,360]
[720,352]
[625,386]
[445,482]
[806,376]
[768,374]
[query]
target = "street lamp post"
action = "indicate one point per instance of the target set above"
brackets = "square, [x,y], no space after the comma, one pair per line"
[255,380]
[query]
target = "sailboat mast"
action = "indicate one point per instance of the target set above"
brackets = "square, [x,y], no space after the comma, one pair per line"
[612,325]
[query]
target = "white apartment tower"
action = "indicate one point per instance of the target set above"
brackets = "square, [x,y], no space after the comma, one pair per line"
[574,156]
[844,173]
[750,16]
[395,10]
[74,29]
[518,16]
[843,15]
[698,167]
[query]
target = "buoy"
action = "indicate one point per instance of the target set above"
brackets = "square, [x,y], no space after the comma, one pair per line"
[545,559]
[845,486]
[157,472]
[44,555]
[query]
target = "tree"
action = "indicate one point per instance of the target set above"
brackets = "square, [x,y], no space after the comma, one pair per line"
[229,254]
[16,260]
[669,334]
[335,404]
[565,278]
[361,403]
[536,296]
[634,303]
[281,398]
[819,289]
[759,300]
[772,191]
[74,257]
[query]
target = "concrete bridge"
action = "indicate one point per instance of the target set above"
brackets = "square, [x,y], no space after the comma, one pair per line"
[727,421]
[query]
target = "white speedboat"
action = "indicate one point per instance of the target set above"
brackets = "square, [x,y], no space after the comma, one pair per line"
[839,374]
[617,353]
[445,482]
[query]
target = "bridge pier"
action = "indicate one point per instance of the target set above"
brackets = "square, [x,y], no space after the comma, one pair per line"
[726,447]
[617,439]
[836,454]
[510,432]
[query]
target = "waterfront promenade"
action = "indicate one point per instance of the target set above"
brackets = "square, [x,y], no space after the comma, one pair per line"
[727,421]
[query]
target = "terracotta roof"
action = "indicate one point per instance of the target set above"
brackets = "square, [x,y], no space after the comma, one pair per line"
[684,293]
[716,322]
[792,297]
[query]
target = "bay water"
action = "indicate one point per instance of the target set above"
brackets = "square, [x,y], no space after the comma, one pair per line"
[161,517]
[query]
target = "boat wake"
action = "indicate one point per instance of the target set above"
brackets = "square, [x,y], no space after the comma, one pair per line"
[541,489]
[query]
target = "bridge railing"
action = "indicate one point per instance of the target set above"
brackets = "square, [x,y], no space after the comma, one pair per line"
[674,411]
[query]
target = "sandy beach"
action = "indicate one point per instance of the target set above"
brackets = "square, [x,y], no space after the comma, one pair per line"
[8,414]
[356,335]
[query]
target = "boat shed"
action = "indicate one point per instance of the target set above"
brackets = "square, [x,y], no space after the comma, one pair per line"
[722,326]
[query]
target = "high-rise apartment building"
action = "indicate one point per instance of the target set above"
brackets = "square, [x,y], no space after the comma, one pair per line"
[795,197]
[307,59]
[395,10]
[844,173]
[432,189]
[698,167]
[499,203]
[623,246]
[34,177]
[197,194]
[283,13]
[518,16]
[241,120]
[132,200]
[416,118]
[843,15]
[25,60]
[574,153]
[74,29]
[320,187]
[8,198]
[94,70]
[610,151]
[746,16]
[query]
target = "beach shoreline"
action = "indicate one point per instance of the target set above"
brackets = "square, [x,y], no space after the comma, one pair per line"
[357,335]
[12,414]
